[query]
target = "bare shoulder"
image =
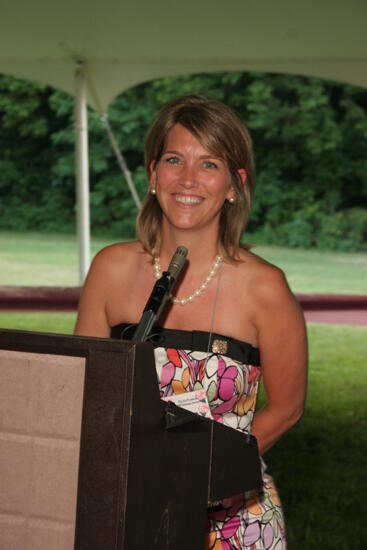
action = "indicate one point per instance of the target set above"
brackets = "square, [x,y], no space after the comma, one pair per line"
[268,303]
[106,288]
[119,251]
[256,294]
[263,279]
[117,258]
[267,290]
[112,268]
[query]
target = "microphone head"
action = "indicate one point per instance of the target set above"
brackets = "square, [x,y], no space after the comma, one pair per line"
[177,262]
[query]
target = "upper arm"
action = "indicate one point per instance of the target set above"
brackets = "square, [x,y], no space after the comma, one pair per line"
[92,316]
[283,347]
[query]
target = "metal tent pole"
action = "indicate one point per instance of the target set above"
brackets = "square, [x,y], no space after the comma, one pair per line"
[111,136]
[82,171]
[121,161]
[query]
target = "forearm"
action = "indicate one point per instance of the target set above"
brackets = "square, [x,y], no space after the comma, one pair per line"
[269,425]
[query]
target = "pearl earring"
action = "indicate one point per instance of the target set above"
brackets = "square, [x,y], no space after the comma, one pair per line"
[153,191]
[231,200]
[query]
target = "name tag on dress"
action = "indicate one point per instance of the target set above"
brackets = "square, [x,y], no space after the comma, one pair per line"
[194,401]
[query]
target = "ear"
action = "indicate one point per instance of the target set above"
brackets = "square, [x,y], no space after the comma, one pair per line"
[243,175]
[231,193]
[153,174]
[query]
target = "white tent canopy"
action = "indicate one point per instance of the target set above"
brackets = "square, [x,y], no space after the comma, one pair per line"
[125,42]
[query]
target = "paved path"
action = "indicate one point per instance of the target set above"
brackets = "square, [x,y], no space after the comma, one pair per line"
[338,317]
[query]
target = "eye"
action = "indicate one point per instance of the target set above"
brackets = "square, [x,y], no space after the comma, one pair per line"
[210,165]
[172,160]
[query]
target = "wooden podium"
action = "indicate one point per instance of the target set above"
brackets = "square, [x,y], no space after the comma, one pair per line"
[145,469]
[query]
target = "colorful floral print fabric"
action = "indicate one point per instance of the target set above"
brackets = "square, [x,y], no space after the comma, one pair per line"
[247,521]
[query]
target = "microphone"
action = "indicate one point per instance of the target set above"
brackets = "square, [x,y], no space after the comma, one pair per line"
[161,290]
[177,262]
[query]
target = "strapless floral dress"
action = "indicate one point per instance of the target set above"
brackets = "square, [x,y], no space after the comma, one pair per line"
[229,371]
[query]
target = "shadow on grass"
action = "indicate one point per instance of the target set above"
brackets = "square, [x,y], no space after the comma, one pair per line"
[320,470]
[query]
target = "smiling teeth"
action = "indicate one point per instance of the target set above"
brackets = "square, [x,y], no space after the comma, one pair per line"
[188,200]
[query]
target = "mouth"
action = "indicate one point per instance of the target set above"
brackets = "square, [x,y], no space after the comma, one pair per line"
[188,199]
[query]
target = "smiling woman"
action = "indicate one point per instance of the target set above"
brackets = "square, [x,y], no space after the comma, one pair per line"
[218,333]
[191,186]
[223,144]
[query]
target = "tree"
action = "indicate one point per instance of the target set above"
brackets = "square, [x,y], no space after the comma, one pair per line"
[310,138]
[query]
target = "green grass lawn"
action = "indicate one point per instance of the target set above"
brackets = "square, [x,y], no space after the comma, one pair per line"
[316,271]
[37,259]
[320,466]
[59,323]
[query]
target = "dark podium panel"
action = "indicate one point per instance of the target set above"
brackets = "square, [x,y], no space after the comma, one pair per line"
[147,469]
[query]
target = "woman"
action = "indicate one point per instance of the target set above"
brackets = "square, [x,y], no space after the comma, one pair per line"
[199,163]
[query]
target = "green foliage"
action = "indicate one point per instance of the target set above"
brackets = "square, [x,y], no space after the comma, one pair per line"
[310,139]
[31,196]
[345,230]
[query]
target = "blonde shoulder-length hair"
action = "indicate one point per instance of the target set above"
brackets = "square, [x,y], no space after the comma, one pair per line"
[221,132]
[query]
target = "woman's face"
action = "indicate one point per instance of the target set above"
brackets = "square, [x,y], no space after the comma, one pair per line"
[191,184]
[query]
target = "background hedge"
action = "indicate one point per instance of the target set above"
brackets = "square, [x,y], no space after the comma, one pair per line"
[310,140]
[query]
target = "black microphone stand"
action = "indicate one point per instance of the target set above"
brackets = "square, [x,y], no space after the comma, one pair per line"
[154,306]
[160,293]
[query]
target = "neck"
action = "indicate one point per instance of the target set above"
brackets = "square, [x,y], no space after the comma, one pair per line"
[202,249]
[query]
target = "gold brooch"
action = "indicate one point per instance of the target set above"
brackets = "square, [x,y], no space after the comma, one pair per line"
[219,346]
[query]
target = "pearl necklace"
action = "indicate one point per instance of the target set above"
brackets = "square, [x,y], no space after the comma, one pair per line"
[158,274]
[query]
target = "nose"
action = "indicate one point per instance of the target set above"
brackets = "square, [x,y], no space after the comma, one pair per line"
[188,176]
